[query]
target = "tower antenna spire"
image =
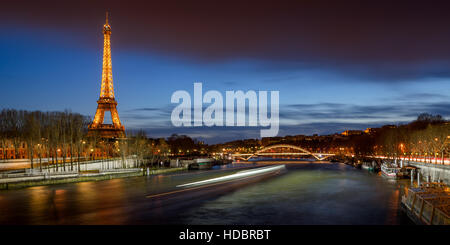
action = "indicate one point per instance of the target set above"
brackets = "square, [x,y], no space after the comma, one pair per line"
[106,17]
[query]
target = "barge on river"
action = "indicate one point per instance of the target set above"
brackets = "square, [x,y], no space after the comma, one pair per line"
[202,163]
[392,171]
[428,205]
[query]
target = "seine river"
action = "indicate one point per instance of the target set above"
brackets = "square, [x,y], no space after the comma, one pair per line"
[305,193]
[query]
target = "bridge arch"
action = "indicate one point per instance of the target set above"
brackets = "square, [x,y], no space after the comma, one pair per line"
[317,156]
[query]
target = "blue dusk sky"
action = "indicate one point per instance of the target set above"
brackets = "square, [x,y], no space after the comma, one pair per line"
[337,67]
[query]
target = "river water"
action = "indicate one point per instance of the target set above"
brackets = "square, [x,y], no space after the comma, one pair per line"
[305,193]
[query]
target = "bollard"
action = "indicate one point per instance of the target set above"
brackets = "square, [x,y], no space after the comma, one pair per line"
[418,179]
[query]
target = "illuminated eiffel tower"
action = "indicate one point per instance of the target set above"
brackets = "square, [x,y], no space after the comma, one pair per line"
[107,101]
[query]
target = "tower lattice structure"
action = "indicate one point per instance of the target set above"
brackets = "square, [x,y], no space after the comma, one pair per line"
[107,101]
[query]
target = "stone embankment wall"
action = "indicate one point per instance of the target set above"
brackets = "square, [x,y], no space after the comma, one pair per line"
[435,171]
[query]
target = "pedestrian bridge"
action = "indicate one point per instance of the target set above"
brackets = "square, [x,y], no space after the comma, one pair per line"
[282,150]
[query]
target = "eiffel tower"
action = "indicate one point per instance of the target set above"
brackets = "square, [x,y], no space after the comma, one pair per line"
[107,102]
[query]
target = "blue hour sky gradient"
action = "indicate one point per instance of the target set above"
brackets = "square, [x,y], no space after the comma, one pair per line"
[322,90]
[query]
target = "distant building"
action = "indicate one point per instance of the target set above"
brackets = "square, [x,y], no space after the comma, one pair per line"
[11,152]
[295,137]
[270,140]
[337,136]
[352,132]
[371,130]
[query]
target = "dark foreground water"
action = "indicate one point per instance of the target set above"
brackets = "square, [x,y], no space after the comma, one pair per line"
[321,193]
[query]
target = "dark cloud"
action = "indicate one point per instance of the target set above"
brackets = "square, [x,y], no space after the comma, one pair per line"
[394,40]
[336,111]
[308,119]
[422,97]
[143,109]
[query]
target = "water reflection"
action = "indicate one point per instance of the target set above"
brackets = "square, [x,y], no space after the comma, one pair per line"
[325,193]
[308,194]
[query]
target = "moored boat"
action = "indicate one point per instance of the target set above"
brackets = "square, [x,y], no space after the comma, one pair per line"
[202,163]
[428,204]
[392,171]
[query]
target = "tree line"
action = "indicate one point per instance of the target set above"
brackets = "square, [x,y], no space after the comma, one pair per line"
[61,140]
[44,134]
[427,137]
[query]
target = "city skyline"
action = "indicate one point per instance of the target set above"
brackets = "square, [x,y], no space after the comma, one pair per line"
[330,79]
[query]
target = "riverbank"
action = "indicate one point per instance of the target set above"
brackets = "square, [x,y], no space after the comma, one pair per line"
[43,179]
